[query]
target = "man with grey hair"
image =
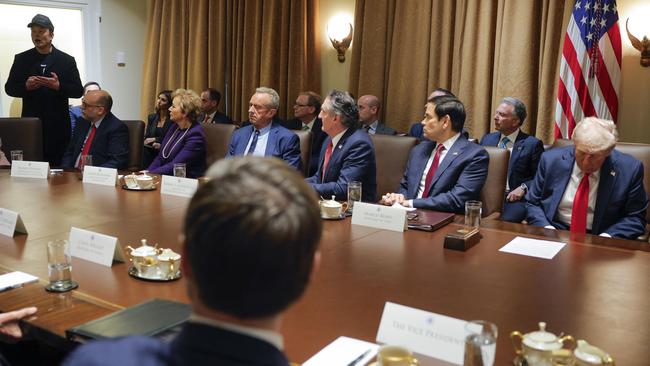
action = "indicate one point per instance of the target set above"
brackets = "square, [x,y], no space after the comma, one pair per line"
[369,106]
[263,136]
[347,154]
[589,187]
[525,152]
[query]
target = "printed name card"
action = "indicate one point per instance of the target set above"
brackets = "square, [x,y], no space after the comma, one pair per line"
[99,175]
[30,169]
[98,248]
[10,223]
[379,217]
[430,334]
[175,186]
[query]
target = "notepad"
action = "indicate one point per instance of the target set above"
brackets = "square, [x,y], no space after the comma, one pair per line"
[344,351]
[533,247]
[15,279]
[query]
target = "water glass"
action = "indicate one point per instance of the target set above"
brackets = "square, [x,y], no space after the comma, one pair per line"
[354,194]
[180,170]
[16,155]
[85,160]
[59,264]
[480,343]
[473,214]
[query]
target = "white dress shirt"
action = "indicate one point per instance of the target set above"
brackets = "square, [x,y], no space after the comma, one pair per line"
[262,140]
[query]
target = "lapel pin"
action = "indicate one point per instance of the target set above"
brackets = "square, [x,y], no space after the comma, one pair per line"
[455,153]
[613,173]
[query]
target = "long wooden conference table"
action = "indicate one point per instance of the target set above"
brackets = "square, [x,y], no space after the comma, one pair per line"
[595,288]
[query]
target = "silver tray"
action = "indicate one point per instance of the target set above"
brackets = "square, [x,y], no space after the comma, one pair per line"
[124,186]
[133,272]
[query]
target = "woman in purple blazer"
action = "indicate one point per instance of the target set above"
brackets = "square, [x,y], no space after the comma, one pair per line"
[184,142]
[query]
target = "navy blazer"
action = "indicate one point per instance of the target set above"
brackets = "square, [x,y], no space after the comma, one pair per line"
[109,148]
[353,159]
[526,152]
[317,139]
[459,177]
[382,129]
[621,201]
[196,345]
[281,143]
[417,130]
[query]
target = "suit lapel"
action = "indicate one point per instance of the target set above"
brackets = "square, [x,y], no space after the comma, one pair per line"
[241,149]
[419,165]
[336,151]
[606,184]
[271,142]
[563,174]
[517,146]
[455,151]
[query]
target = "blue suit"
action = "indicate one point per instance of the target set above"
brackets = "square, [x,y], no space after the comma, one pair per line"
[196,345]
[459,177]
[621,201]
[352,159]
[282,143]
[109,148]
[524,158]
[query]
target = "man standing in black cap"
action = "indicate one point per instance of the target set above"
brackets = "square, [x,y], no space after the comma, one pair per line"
[45,78]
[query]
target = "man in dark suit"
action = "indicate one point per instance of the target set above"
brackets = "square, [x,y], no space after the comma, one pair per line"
[369,106]
[590,186]
[99,134]
[250,247]
[347,154]
[45,78]
[525,152]
[445,172]
[210,99]
[263,137]
[416,129]
[306,112]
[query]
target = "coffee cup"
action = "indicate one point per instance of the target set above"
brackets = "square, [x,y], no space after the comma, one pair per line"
[145,181]
[169,263]
[330,209]
[131,181]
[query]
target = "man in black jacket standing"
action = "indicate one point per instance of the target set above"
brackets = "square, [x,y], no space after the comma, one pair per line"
[45,78]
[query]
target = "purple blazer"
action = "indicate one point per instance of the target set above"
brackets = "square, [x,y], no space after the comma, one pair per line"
[181,146]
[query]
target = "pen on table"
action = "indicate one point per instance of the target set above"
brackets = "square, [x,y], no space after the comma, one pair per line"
[10,287]
[356,360]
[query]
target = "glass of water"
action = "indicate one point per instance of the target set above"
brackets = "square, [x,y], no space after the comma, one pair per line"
[480,343]
[473,211]
[59,265]
[354,194]
[180,170]
[16,155]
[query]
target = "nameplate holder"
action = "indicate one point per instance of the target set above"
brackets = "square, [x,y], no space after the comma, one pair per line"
[430,334]
[11,223]
[99,175]
[95,247]
[379,217]
[462,239]
[30,169]
[176,186]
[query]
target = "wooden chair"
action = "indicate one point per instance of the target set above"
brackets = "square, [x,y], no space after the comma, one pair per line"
[494,189]
[136,141]
[391,155]
[24,134]
[305,149]
[217,138]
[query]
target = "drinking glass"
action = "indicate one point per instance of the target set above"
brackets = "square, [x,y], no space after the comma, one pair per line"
[180,170]
[354,194]
[480,343]
[85,160]
[473,214]
[59,265]
[16,155]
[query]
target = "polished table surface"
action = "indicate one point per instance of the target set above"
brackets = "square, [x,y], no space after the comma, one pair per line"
[595,288]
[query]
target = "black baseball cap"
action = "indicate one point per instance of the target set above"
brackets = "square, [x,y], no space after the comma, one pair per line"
[43,21]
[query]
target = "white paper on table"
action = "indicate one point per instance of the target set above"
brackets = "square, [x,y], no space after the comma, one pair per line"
[397,205]
[15,279]
[532,247]
[342,352]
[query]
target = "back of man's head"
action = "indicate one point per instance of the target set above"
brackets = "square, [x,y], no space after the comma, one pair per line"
[251,234]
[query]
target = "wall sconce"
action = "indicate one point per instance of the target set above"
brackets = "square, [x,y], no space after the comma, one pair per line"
[643,45]
[339,32]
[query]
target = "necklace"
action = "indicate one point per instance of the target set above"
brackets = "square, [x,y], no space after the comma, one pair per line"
[162,152]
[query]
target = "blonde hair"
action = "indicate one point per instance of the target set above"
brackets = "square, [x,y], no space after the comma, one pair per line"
[593,135]
[188,101]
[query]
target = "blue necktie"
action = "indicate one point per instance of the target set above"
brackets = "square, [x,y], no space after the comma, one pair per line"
[251,149]
[504,143]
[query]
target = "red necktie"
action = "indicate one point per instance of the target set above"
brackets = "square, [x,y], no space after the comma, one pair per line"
[580,203]
[432,170]
[89,141]
[206,119]
[326,161]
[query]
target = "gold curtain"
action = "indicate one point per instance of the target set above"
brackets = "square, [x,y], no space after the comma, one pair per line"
[234,46]
[481,50]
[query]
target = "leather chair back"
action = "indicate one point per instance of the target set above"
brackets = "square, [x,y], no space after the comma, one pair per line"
[494,190]
[305,149]
[136,140]
[217,138]
[391,155]
[24,134]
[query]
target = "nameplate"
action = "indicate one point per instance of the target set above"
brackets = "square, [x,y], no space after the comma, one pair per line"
[95,247]
[30,169]
[10,223]
[175,186]
[99,175]
[379,216]
[430,334]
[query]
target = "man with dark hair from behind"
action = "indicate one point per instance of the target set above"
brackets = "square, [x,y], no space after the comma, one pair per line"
[251,236]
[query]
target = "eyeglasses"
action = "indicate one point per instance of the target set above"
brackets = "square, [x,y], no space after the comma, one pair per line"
[301,105]
[86,105]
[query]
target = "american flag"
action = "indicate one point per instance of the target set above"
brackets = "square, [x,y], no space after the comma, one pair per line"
[591,66]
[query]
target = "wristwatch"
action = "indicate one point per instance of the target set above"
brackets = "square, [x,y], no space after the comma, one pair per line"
[524,187]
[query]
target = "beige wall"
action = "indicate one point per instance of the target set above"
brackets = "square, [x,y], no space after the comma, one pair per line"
[334,74]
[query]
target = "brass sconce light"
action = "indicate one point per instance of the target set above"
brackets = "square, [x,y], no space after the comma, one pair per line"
[340,34]
[643,45]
